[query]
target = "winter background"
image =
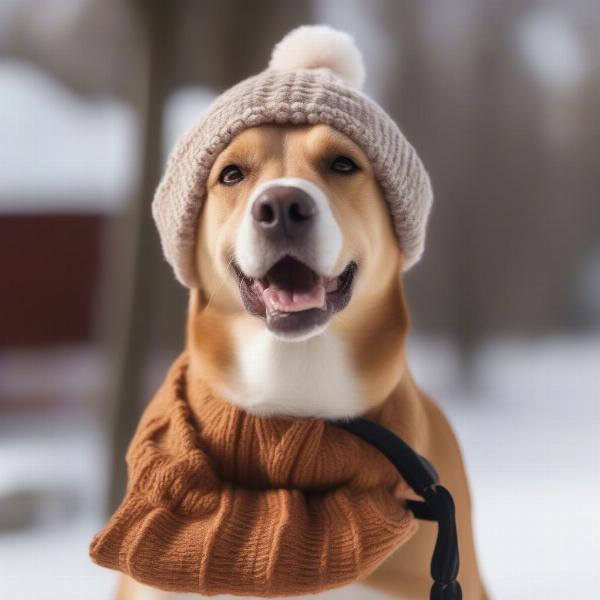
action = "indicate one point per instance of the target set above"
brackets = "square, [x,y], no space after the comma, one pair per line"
[501,98]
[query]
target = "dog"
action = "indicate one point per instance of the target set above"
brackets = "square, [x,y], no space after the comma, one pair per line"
[300,312]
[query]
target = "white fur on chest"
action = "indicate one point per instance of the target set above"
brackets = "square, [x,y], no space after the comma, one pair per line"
[312,378]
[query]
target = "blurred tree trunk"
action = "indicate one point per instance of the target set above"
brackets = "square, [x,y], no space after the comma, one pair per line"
[224,41]
[133,278]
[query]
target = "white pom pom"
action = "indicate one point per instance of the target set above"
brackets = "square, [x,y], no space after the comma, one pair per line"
[320,46]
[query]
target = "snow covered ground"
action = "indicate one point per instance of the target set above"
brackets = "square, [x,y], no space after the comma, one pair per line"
[530,431]
[529,424]
[50,166]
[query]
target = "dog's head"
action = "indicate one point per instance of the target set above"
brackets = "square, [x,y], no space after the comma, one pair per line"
[290,209]
[300,308]
[295,231]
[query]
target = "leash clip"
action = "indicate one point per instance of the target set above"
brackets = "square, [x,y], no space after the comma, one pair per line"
[437,505]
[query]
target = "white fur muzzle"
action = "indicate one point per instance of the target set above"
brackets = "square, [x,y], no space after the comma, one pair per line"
[312,377]
[321,251]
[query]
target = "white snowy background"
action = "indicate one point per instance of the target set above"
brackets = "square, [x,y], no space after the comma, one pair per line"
[528,420]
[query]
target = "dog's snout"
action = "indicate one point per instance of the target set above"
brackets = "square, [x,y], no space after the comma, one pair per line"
[283,211]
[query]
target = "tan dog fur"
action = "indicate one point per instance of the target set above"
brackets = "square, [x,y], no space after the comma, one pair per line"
[372,328]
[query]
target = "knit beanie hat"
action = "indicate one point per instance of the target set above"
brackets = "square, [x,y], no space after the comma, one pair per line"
[314,76]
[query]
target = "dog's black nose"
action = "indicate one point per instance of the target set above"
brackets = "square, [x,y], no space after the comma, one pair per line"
[283,211]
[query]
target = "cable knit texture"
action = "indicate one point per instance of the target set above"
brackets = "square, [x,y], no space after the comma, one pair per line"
[298,96]
[220,501]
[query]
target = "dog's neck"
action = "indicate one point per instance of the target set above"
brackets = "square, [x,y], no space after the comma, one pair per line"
[342,372]
[312,378]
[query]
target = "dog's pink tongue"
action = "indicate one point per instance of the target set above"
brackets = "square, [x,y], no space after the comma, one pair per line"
[280,300]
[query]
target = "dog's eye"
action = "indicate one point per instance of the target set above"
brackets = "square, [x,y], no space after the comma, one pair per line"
[231,175]
[343,165]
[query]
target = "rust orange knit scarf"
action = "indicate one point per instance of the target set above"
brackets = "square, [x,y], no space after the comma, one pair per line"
[220,501]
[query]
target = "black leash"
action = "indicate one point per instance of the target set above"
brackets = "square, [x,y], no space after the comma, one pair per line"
[438,504]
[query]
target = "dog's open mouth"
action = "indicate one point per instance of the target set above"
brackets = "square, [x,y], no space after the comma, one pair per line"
[294,298]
